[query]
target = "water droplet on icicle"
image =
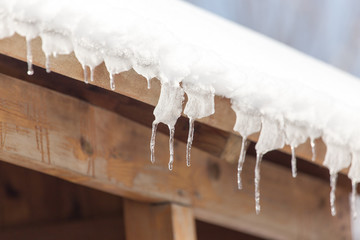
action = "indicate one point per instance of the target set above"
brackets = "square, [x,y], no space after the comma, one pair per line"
[333,179]
[241,162]
[91,74]
[47,63]
[171,147]
[152,142]
[85,74]
[293,162]
[189,141]
[353,199]
[257,182]
[29,58]
[313,150]
[112,82]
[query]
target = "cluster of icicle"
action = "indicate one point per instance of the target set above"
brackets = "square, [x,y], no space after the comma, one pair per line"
[275,131]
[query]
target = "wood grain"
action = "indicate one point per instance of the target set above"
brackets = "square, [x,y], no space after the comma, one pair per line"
[167,221]
[69,138]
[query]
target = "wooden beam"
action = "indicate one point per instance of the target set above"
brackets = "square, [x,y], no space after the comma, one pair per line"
[31,198]
[133,85]
[90,229]
[166,221]
[66,137]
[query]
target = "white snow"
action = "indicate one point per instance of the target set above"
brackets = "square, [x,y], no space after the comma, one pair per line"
[294,96]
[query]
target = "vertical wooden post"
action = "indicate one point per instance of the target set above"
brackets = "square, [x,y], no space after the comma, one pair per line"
[145,221]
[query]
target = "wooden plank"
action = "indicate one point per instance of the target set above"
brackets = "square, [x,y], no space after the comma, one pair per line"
[158,221]
[90,229]
[133,85]
[65,137]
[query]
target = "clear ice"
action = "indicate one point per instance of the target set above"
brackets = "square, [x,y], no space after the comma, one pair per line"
[336,158]
[91,74]
[85,74]
[189,141]
[29,57]
[241,162]
[47,63]
[171,147]
[152,142]
[353,199]
[112,82]
[293,162]
[271,137]
[333,179]
[257,182]
[313,149]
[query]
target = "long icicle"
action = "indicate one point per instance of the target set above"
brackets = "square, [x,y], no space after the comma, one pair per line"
[241,162]
[47,63]
[313,149]
[112,82]
[91,74]
[353,199]
[257,182]
[333,179]
[152,142]
[293,162]
[171,147]
[189,141]
[29,57]
[85,74]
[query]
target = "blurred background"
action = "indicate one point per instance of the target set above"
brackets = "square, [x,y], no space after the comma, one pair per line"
[325,29]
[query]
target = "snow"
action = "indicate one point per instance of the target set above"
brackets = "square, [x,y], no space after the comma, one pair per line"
[292,96]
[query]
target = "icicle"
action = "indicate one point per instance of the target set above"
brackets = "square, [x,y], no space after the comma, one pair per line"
[47,63]
[293,162]
[241,162]
[200,104]
[336,158]
[333,179]
[189,141]
[313,150]
[112,82]
[29,57]
[85,74]
[257,182]
[152,142]
[91,74]
[171,147]
[148,83]
[168,110]
[353,199]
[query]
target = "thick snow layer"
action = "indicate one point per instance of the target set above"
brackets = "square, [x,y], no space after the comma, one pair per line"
[290,94]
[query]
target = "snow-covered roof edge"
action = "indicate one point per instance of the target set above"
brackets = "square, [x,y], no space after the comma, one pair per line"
[289,96]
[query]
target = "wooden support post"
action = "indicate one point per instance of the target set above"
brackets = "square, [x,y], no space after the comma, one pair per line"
[145,221]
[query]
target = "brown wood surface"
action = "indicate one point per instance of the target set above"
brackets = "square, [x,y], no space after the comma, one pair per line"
[69,138]
[89,229]
[133,85]
[167,221]
[107,228]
